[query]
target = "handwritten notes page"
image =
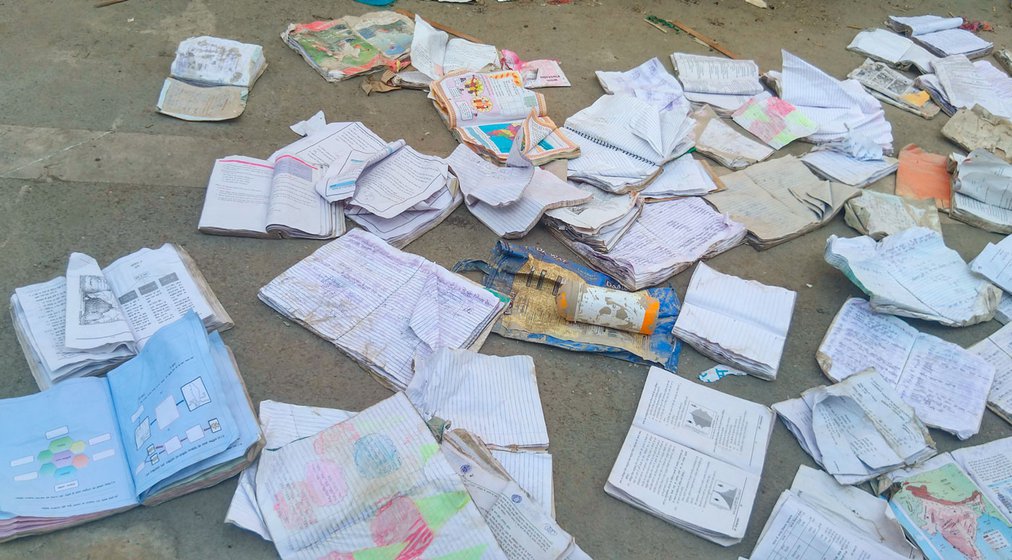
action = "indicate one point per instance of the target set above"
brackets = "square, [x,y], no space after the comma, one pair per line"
[737,322]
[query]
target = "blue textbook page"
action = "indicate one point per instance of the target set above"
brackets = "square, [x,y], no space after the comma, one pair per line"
[242,412]
[61,454]
[169,403]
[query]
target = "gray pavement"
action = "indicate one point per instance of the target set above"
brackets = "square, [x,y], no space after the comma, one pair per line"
[87,165]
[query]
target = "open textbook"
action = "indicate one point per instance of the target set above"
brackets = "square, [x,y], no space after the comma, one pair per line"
[941,36]
[532,278]
[946,385]
[857,429]
[495,398]
[350,46]
[955,506]
[435,54]
[259,198]
[625,142]
[485,110]
[210,79]
[895,50]
[358,290]
[913,274]
[838,521]
[91,319]
[666,238]
[779,200]
[878,214]
[693,457]
[894,88]
[737,322]
[716,81]
[982,192]
[996,350]
[174,419]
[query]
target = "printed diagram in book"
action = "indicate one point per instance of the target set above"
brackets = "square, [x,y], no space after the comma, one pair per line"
[699,418]
[62,458]
[723,495]
[97,301]
[194,395]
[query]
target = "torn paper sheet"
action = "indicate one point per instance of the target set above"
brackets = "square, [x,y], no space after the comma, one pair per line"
[878,214]
[414,222]
[996,350]
[720,142]
[857,429]
[735,321]
[532,277]
[649,82]
[982,192]
[667,238]
[923,175]
[779,200]
[773,120]
[946,385]
[894,88]
[495,398]
[716,373]
[913,274]
[201,103]
[212,61]
[399,181]
[976,128]
[536,73]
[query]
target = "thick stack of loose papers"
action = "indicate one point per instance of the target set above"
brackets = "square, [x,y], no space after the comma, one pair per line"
[665,240]
[494,398]
[717,81]
[843,167]
[878,214]
[847,523]
[353,489]
[982,192]
[893,49]
[510,200]
[857,429]
[958,83]
[840,108]
[996,350]
[976,128]
[210,79]
[946,385]
[693,457]
[913,274]
[956,506]
[598,223]
[737,322]
[649,82]
[625,141]
[87,322]
[894,88]
[779,200]
[382,306]
[942,36]
[720,142]
[435,54]
[350,46]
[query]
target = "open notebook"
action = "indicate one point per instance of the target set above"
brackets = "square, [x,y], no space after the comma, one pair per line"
[172,420]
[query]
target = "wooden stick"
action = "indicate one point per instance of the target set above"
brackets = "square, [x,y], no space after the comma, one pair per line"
[650,23]
[411,15]
[105,3]
[708,41]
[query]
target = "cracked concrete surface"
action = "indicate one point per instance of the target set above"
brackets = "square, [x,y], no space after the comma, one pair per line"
[87,165]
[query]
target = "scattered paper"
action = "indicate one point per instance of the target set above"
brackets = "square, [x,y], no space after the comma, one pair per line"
[923,175]
[720,142]
[649,82]
[894,88]
[893,49]
[878,214]
[350,46]
[982,192]
[773,120]
[976,128]
[435,54]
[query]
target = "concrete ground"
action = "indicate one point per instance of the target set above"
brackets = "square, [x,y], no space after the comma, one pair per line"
[87,165]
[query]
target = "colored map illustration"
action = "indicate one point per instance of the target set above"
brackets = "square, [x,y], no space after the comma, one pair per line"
[953,517]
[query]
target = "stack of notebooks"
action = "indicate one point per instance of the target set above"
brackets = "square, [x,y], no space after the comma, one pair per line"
[92,319]
[174,419]
[693,457]
[941,36]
